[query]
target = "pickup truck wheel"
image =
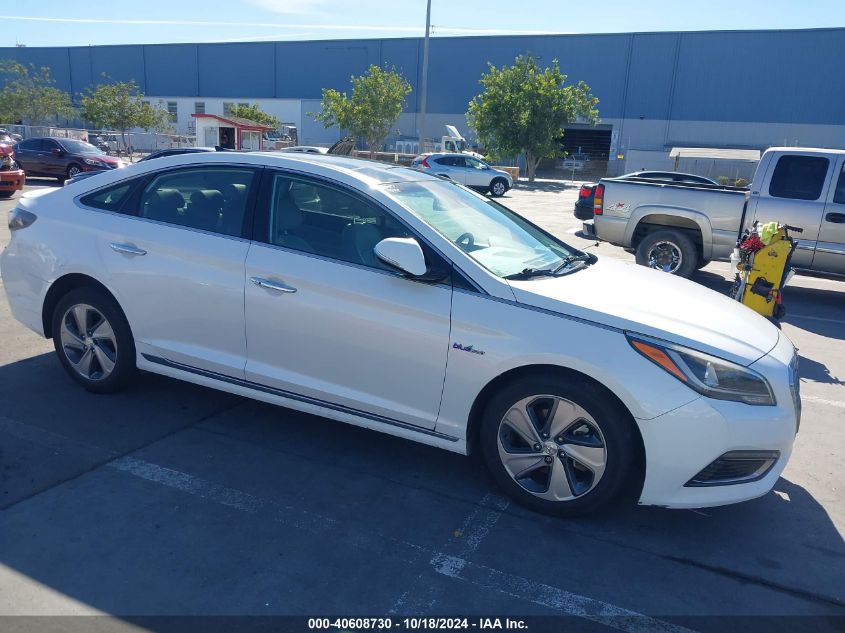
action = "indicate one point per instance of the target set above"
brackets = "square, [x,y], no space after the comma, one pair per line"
[702,263]
[670,251]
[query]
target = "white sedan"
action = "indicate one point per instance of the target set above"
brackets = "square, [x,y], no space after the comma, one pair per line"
[391,299]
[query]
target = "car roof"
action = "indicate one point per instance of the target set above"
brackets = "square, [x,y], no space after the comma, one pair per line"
[368,172]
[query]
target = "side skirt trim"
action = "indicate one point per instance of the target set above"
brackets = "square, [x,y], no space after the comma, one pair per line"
[295,396]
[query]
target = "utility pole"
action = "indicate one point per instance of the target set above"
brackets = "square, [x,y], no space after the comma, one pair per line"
[421,124]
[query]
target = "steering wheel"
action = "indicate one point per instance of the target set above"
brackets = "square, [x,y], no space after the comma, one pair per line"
[466,241]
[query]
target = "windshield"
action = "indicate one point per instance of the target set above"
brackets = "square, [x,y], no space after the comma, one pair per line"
[79,147]
[491,234]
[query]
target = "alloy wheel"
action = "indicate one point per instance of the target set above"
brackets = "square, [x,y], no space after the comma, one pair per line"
[499,188]
[88,342]
[552,448]
[665,256]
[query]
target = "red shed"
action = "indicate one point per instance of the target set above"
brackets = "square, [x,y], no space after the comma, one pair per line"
[229,131]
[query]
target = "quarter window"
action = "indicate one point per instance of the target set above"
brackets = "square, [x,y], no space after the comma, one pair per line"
[110,199]
[210,198]
[799,177]
[315,218]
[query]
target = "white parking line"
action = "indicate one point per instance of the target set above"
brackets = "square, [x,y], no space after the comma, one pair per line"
[830,403]
[455,567]
[422,596]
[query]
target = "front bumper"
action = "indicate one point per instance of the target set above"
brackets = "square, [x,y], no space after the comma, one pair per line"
[12,180]
[683,442]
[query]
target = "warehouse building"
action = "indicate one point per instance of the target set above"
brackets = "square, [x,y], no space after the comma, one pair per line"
[723,89]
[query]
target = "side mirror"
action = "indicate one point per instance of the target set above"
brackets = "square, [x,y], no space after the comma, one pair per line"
[403,253]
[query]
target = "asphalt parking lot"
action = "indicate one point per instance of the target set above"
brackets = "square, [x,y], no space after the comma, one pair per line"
[172,499]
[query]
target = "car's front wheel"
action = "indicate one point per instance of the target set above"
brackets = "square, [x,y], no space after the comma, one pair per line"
[558,446]
[498,187]
[93,340]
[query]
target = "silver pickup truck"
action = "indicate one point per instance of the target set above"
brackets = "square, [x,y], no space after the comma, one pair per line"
[680,227]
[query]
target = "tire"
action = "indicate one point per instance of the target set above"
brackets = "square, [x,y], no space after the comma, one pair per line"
[110,350]
[609,433]
[702,263]
[498,187]
[670,251]
[72,170]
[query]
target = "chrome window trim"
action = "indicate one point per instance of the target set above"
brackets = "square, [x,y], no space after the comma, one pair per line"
[343,262]
[154,174]
[345,188]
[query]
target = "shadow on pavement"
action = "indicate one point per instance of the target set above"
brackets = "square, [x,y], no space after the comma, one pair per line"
[184,541]
[548,186]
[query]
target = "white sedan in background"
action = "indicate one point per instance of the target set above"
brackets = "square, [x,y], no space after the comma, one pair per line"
[467,170]
[391,299]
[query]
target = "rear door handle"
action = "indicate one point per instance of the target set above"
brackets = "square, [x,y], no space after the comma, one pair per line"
[269,284]
[835,218]
[127,249]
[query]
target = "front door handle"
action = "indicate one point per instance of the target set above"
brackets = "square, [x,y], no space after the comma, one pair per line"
[269,284]
[835,218]
[127,249]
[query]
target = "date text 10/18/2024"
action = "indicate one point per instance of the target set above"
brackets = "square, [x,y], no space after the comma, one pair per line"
[381,624]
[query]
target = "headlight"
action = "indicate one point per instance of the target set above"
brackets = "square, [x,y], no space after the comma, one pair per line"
[93,161]
[708,375]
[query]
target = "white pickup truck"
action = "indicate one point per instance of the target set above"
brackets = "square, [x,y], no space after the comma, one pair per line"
[679,227]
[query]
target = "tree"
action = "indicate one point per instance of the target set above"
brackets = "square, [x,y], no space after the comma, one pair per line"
[254,113]
[375,105]
[120,106]
[30,95]
[523,110]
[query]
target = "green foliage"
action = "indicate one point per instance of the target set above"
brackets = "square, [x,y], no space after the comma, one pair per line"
[254,113]
[372,110]
[523,109]
[29,94]
[120,106]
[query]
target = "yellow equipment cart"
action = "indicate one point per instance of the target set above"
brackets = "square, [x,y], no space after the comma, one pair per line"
[764,255]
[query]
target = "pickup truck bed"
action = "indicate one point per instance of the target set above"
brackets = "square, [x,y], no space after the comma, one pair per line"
[679,227]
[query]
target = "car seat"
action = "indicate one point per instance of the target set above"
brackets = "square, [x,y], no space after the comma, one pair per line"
[164,206]
[204,210]
[287,219]
[358,242]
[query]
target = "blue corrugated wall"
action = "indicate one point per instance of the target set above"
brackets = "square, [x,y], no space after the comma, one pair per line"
[763,76]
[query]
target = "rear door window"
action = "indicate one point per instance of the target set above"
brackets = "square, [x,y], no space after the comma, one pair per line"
[799,177]
[206,198]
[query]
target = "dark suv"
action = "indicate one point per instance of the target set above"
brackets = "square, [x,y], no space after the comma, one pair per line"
[62,158]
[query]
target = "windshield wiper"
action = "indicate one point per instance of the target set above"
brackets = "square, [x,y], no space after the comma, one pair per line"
[571,259]
[528,273]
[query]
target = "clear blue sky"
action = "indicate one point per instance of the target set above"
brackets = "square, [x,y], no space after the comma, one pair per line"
[62,23]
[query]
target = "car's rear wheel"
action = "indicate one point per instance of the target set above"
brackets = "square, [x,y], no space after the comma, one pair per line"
[556,446]
[670,251]
[93,340]
[498,187]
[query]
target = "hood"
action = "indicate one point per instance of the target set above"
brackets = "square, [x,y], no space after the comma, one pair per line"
[638,299]
[110,160]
